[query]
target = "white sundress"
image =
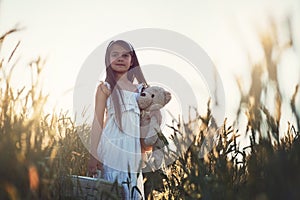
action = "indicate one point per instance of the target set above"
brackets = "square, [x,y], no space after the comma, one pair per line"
[121,151]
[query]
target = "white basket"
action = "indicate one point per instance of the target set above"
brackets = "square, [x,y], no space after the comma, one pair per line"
[83,187]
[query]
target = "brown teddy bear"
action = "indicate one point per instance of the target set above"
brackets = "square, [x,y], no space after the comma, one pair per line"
[152,98]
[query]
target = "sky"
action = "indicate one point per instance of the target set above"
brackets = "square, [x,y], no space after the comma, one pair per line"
[66,32]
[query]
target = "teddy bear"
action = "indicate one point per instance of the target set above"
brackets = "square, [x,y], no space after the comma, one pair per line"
[152,98]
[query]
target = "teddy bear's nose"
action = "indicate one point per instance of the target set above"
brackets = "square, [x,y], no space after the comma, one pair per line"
[143,94]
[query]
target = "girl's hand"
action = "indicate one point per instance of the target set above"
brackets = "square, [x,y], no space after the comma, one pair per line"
[93,165]
[157,115]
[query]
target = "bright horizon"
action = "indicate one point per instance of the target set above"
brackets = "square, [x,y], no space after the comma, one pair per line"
[65,33]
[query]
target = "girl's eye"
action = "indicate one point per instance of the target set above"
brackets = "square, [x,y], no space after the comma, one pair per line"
[152,95]
[114,55]
[126,55]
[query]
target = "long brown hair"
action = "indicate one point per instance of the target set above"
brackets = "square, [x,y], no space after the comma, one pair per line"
[133,72]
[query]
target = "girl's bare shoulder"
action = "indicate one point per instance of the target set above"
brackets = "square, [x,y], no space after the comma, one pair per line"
[104,87]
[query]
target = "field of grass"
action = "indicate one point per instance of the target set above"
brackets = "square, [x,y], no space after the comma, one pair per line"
[38,148]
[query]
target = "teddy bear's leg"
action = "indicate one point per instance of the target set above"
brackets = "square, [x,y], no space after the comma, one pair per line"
[149,141]
[159,144]
[158,156]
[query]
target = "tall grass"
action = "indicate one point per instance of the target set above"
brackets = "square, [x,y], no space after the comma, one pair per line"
[268,168]
[37,148]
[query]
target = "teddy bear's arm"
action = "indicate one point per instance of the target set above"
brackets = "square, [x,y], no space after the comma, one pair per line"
[154,127]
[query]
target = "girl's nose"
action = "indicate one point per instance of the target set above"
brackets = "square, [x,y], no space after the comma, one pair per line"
[120,58]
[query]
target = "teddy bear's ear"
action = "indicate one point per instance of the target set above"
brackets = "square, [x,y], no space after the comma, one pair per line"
[167,97]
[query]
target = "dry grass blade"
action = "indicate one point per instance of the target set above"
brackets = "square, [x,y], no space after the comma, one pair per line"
[13,52]
[293,106]
[8,33]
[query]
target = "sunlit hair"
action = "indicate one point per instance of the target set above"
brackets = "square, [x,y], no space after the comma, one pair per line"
[133,72]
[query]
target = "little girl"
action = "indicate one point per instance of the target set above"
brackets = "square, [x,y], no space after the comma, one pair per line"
[115,135]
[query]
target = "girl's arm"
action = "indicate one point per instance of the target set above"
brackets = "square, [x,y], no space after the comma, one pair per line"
[97,126]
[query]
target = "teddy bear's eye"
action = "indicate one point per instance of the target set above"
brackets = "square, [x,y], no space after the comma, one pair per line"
[152,95]
[143,94]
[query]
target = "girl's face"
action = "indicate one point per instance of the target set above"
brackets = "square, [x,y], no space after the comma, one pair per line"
[120,59]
